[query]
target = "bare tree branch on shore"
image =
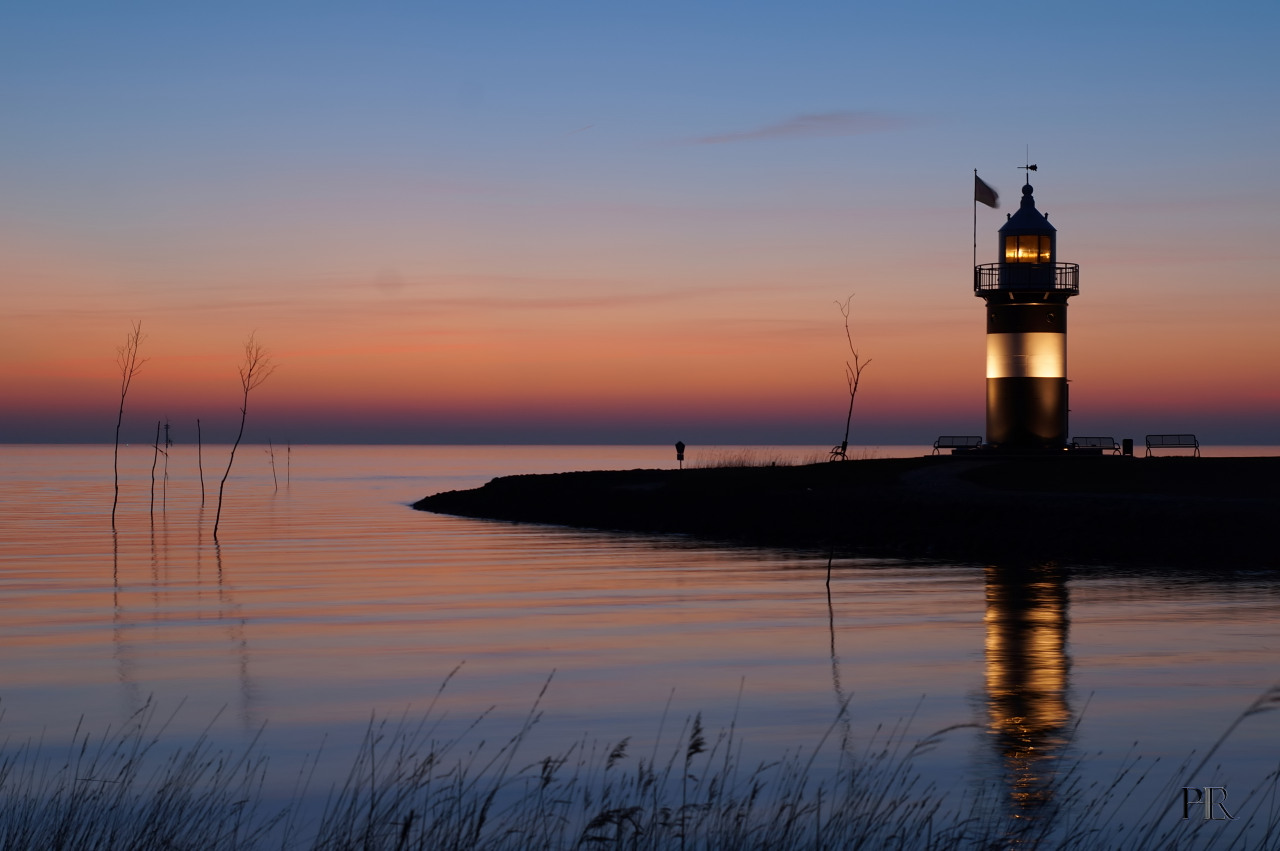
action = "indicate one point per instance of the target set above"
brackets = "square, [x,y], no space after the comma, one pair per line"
[853,375]
[129,362]
[254,369]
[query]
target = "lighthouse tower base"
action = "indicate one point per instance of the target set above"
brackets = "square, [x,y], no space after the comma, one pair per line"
[1027,414]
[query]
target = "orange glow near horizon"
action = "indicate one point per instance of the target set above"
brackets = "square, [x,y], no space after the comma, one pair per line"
[744,344]
[583,364]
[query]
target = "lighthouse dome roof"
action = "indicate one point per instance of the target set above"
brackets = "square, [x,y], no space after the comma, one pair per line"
[1028,220]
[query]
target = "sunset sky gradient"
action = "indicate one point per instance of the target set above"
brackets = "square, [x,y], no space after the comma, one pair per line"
[608,223]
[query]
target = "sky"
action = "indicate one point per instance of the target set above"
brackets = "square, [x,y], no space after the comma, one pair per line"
[596,222]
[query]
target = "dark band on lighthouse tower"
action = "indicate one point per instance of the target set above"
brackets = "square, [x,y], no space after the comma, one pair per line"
[1026,296]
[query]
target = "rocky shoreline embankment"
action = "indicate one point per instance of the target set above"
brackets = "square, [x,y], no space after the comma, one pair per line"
[1213,512]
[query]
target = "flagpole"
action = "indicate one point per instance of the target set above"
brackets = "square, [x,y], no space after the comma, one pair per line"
[984,193]
[975,221]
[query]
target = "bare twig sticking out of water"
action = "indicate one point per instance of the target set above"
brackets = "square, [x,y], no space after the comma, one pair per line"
[164,486]
[155,457]
[271,452]
[129,362]
[254,369]
[200,460]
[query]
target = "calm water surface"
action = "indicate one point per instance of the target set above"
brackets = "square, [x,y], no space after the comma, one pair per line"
[327,600]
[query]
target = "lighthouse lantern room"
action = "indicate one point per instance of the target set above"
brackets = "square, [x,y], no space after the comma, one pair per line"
[1026,296]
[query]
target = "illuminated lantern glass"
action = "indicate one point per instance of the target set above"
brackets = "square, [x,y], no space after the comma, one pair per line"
[1026,248]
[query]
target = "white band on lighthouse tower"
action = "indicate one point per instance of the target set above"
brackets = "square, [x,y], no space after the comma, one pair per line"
[1027,355]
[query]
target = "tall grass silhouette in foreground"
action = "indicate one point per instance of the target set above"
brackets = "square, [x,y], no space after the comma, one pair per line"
[406,790]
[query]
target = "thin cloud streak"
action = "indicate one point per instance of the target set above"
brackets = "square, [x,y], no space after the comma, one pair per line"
[814,125]
[350,302]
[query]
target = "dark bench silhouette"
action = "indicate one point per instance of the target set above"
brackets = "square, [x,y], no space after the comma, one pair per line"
[1173,441]
[957,441]
[1107,444]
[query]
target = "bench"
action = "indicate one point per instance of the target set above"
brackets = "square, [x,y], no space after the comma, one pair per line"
[1107,444]
[1173,441]
[956,442]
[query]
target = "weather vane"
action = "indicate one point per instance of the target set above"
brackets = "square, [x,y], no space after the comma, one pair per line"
[1030,166]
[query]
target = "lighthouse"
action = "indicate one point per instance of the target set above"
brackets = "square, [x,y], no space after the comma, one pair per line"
[1026,302]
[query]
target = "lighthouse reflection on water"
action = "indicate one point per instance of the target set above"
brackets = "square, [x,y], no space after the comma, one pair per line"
[1027,672]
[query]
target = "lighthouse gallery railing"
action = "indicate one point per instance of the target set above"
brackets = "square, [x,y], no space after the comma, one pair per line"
[1057,277]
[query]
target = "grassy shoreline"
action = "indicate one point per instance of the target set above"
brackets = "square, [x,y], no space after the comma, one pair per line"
[406,789]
